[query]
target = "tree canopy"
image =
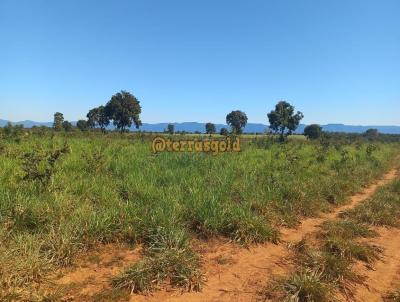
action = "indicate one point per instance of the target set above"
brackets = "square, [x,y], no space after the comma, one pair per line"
[98,117]
[237,120]
[210,128]
[371,133]
[313,131]
[58,121]
[224,131]
[124,109]
[284,119]
[82,125]
[67,126]
[171,128]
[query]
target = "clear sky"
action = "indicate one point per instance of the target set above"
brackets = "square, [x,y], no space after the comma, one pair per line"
[337,61]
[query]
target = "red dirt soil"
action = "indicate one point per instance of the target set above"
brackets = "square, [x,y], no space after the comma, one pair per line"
[235,273]
[384,276]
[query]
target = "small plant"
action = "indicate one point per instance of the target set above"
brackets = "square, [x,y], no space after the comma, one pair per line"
[370,149]
[95,160]
[303,286]
[334,269]
[40,166]
[346,229]
[168,257]
[349,249]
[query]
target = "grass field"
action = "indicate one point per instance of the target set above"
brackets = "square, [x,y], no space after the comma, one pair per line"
[61,195]
[326,264]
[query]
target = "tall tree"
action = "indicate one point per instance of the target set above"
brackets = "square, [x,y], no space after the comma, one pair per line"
[82,125]
[67,126]
[58,121]
[237,120]
[284,119]
[210,128]
[98,117]
[171,128]
[124,109]
[93,117]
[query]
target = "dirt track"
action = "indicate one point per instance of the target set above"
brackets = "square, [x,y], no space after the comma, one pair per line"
[385,274]
[237,274]
[252,268]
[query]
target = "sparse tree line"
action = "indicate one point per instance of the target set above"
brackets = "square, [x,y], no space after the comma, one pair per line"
[123,110]
[283,121]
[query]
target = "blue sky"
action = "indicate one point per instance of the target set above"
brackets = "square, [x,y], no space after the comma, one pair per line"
[336,61]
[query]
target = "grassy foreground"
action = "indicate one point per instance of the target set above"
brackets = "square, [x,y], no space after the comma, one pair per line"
[62,195]
[326,265]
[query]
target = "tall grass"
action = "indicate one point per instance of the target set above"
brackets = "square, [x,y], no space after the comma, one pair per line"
[112,188]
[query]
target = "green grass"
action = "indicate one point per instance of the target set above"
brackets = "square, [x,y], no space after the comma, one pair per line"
[112,188]
[382,210]
[168,258]
[302,286]
[327,266]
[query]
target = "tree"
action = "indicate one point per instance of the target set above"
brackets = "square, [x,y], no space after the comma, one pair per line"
[237,120]
[103,120]
[58,121]
[224,132]
[371,133]
[171,128]
[82,125]
[210,128]
[67,126]
[98,117]
[93,117]
[283,119]
[124,109]
[313,131]
[8,129]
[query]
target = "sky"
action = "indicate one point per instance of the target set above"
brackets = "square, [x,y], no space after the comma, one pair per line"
[336,61]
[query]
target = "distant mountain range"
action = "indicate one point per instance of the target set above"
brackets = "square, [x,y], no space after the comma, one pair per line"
[250,127]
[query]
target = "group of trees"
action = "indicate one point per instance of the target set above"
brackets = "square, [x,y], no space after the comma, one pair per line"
[123,109]
[60,124]
[283,121]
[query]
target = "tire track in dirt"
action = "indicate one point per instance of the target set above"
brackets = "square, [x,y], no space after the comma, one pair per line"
[385,274]
[92,272]
[250,269]
[311,225]
[233,273]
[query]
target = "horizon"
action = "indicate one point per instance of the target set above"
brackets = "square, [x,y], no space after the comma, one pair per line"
[338,63]
[204,122]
